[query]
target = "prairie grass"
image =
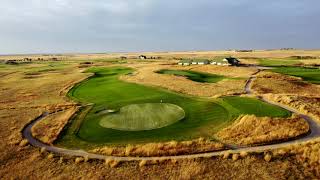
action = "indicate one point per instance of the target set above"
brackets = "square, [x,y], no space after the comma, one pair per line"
[162,149]
[49,128]
[250,130]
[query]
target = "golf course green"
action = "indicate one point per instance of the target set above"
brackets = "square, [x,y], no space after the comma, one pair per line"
[138,117]
[123,112]
[194,76]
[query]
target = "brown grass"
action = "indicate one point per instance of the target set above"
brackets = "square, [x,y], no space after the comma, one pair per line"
[306,104]
[250,130]
[145,74]
[162,149]
[48,129]
[306,153]
[268,82]
[22,100]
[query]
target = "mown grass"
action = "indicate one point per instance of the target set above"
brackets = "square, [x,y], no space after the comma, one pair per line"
[202,117]
[147,116]
[194,76]
[311,75]
[278,62]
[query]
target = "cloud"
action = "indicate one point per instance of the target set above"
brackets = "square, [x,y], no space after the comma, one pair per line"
[129,25]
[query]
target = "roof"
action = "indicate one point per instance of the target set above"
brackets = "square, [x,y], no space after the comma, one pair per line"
[200,60]
[185,61]
[232,58]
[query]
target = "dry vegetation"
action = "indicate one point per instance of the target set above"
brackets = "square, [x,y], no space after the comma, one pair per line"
[291,91]
[162,149]
[306,104]
[48,129]
[33,165]
[145,74]
[306,154]
[229,71]
[268,82]
[24,97]
[250,130]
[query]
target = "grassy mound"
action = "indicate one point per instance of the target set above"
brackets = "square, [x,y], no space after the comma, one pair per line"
[308,74]
[194,76]
[137,117]
[203,117]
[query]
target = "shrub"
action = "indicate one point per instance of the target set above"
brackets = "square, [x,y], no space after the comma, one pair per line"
[78,160]
[142,163]
[50,156]
[235,157]
[267,157]
[43,150]
[114,163]
[226,155]
[243,154]
[23,143]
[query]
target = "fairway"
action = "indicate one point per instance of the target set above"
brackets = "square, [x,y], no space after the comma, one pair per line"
[194,76]
[311,75]
[202,117]
[138,117]
[277,62]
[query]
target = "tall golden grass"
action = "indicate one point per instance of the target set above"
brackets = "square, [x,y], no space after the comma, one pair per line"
[162,149]
[250,130]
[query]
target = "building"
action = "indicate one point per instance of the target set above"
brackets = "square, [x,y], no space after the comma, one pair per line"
[213,63]
[123,57]
[201,61]
[142,57]
[185,62]
[232,61]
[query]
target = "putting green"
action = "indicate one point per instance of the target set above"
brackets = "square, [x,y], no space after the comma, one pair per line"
[147,116]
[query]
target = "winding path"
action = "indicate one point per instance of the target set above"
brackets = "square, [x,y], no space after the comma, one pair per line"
[314,133]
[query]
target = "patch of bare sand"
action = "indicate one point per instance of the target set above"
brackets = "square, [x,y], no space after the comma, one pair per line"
[145,74]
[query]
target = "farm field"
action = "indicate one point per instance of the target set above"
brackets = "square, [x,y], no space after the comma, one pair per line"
[203,117]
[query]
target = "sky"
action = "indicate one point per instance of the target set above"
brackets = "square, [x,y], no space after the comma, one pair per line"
[83,26]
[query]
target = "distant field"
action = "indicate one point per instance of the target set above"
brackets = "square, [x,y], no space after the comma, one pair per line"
[307,74]
[194,76]
[278,62]
[202,117]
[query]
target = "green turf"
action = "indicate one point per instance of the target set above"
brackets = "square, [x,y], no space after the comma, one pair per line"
[240,105]
[147,116]
[311,75]
[278,62]
[194,76]
[203,117]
